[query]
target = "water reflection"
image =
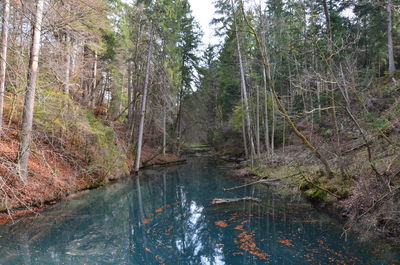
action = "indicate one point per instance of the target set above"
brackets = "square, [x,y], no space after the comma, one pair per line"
[167,218]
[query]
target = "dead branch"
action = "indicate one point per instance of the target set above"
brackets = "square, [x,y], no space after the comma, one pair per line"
[223,201]
[264,181]
[154,155]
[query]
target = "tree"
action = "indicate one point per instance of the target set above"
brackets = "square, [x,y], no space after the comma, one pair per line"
[27,119]
[144,102]
[3,57]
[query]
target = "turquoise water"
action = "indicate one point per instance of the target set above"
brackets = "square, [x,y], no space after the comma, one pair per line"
[166,217]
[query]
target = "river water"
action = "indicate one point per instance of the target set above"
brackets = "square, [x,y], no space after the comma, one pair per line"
[166,217]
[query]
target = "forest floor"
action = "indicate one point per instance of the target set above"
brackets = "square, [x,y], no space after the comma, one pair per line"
[366,202]
[55,173]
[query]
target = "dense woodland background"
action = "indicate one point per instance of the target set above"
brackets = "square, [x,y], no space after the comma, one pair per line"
[91,88]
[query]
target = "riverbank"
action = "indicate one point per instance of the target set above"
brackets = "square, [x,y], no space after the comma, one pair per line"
[359,198]
[59,169]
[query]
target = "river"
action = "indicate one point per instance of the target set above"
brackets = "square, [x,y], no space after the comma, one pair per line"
[166,217]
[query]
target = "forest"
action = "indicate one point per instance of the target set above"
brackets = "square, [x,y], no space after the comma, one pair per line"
[304,91]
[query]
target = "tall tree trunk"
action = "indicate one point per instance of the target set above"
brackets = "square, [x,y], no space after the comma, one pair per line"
[67,65]
[244,89]
[258,123]
[246,148]
[164,143]
[27,119]
[135,70]
[392,67]
[130,96]
[93,97]
[86,75]
[3,57]
[144,101]
[273,125]
[266,120]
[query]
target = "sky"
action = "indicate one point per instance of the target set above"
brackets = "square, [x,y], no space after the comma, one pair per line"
[203,11]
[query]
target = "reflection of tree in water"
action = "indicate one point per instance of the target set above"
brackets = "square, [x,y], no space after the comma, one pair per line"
[190,236]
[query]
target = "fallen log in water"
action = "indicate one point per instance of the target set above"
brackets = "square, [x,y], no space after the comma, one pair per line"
[221,201]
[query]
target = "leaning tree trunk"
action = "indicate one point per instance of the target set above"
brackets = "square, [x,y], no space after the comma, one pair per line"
[3,56]
[27,119]
[143,110]
[392,67]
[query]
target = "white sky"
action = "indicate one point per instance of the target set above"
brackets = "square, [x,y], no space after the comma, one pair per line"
[203,11]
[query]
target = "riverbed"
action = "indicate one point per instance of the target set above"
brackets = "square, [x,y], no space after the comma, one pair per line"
[166,216]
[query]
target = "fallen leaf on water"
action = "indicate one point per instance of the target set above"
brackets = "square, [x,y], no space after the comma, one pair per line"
[245,222]
[159,259]
[247,243]
[239,227]
[286,242]
[221,224]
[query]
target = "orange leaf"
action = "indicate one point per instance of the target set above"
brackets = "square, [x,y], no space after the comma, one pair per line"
[221,224]
[287,242]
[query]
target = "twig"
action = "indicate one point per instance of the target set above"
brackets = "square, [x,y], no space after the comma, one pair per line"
[245,185]
[374,204]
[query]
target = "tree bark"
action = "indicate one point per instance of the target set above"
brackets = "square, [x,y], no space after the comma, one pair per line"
[27,119]
[143,110]
[67,65]
[3,57]
[392,67]
[164,143]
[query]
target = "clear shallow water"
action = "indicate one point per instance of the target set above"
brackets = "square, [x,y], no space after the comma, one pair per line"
[167,218]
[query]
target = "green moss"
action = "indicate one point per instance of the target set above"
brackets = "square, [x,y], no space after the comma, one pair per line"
[259,170]
[317,194]
[95,185]
[304,185]
[57,114]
